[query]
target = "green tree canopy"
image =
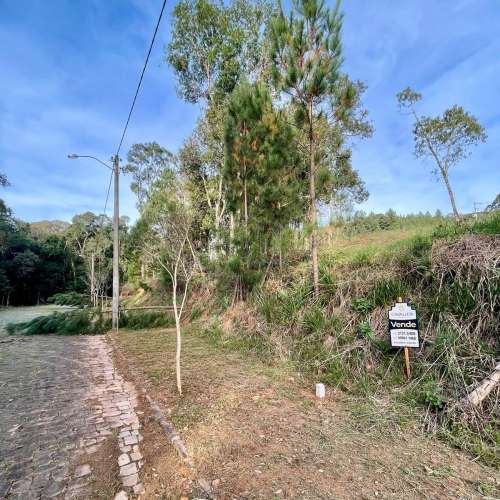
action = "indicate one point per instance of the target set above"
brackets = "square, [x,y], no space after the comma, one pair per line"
[213,44]
[146,162]
[261,165]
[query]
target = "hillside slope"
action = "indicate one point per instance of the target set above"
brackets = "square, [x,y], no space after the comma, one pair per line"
[255,430]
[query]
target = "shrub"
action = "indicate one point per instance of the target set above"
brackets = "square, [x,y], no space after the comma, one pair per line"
[432,395]
[70,299]
[62,323]
[196,312]
[362,305]
[313,320]
[361,259]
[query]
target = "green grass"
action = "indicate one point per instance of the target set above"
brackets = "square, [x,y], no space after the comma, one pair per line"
[141,320]
[363,249]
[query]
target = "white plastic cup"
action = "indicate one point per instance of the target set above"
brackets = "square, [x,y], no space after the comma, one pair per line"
[320,391]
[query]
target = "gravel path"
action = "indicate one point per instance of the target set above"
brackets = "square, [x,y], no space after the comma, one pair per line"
[60,397]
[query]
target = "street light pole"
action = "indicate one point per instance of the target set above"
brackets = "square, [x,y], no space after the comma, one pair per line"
[116,245]
[115,308]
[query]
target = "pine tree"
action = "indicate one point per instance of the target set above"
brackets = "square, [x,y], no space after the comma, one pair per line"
[306,53]
[261,174]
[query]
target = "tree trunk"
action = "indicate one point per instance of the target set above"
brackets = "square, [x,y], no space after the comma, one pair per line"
[231,233]
[143,271]
[178,336]
[484,388]
[93,298]
[246,202]
[450,193]
[73,271]
[312,205]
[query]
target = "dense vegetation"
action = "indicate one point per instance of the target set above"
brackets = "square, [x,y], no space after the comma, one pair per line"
[67,264]
[32,267]
[233,217]
[87,322]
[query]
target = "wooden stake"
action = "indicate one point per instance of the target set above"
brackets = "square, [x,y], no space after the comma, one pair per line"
[407,363]
[407,355]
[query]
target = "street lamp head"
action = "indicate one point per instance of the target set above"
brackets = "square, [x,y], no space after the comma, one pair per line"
[72,156]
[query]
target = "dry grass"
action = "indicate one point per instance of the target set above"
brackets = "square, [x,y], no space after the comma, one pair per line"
[257,432]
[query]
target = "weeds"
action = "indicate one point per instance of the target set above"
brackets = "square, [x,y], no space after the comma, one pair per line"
[386,292]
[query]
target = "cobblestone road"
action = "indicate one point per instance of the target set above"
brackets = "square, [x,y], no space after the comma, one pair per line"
[59,398]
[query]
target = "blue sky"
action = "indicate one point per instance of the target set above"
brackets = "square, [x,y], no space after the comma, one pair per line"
[69,69]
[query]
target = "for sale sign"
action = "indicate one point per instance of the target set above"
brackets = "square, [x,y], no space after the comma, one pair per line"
[403,326]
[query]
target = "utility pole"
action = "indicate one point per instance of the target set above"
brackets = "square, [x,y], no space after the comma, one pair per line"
[116,245]
[115,308]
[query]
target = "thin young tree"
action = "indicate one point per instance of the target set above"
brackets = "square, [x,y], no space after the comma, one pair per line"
[445,139]
[168,242]
[306,53]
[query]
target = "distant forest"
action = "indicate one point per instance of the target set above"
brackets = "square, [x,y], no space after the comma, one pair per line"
[34,264]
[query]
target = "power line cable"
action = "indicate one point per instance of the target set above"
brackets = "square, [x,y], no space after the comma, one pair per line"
[107,194]
[142,76]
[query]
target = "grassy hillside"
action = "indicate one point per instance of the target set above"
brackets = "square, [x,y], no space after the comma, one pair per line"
[449,272]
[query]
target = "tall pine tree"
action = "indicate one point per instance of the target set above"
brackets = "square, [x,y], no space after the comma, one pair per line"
[261,175]
[306,54]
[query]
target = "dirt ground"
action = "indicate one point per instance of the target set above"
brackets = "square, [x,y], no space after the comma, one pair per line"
[257,431]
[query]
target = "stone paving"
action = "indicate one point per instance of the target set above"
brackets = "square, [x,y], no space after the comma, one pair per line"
[60,397]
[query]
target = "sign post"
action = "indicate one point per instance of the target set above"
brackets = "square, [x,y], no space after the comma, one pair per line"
[407,363]
[403,329]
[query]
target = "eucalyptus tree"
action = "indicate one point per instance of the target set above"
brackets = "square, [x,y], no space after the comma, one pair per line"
[213,45]
[146,162]
[200,160]
[445,139]
[306,53]
[90,238]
